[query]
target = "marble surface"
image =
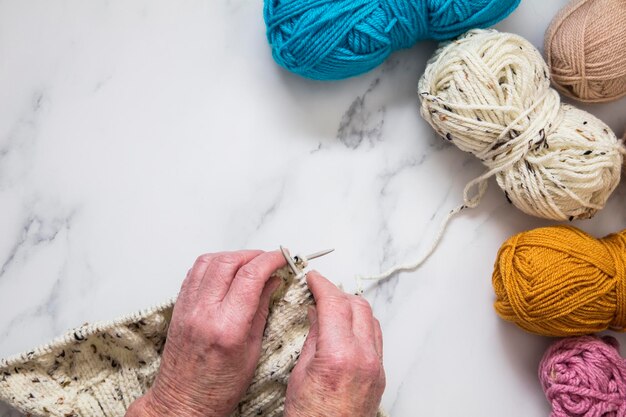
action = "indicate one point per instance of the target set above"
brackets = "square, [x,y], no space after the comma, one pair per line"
[135,135]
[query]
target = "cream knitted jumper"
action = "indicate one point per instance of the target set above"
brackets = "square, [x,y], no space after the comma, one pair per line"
[100,369]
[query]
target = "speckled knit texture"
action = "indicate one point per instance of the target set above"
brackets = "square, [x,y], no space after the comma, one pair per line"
[99,370]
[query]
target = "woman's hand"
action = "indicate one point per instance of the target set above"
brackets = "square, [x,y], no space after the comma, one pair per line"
[340,370]
[214,339]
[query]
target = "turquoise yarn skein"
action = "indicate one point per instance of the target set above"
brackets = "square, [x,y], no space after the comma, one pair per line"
[335,39]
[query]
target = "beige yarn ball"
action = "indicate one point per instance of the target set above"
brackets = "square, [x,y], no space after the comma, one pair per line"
[489,94]
[586,50]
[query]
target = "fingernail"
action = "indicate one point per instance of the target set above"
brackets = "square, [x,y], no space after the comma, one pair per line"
[311,273]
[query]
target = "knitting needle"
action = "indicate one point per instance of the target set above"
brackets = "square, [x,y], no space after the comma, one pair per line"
[291,262]
[319,254]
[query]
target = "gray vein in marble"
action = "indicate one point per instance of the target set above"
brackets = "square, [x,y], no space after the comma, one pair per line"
[46,309]
[360,122]
[317,149]
[22,133]
[36,231]
[427,329]
[265,213]
[271,210]
[102,83]
[387,287]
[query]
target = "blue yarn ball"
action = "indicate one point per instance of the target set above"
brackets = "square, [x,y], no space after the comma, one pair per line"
[335,39]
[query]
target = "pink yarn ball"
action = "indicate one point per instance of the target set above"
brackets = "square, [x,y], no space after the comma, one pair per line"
[584,377]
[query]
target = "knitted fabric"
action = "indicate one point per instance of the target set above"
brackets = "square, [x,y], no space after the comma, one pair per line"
[99,370]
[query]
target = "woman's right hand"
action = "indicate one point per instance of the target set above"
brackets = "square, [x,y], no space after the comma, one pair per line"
[340,370]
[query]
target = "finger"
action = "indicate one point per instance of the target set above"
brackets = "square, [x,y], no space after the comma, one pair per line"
[378,338]
[189,288]
[260,319]
[363,322]
[382,380]
[244,294]
[220,272]
[310,344]
[334,313]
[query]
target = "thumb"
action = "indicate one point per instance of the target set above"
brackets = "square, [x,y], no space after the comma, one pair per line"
[310,344]
[260,318]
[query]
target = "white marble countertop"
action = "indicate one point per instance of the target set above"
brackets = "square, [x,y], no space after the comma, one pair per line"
[135,135]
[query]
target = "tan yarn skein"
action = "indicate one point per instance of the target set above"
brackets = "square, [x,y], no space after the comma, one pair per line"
[489,94]
[586,50]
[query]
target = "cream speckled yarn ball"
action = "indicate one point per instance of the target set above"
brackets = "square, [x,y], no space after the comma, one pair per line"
[489,94]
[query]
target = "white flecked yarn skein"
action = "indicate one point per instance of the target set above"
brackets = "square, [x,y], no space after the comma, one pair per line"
[489,94]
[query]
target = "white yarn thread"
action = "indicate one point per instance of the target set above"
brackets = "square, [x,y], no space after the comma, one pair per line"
[489,94]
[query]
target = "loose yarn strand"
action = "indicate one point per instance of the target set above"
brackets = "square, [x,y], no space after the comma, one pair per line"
[469,203]
[409,266]
[489,94]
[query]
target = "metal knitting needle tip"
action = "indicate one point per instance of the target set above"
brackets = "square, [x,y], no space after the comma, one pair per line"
[289,260]
[319,254]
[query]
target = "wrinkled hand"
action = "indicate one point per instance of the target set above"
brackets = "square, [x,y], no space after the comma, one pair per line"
[214,339]
[340,370]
